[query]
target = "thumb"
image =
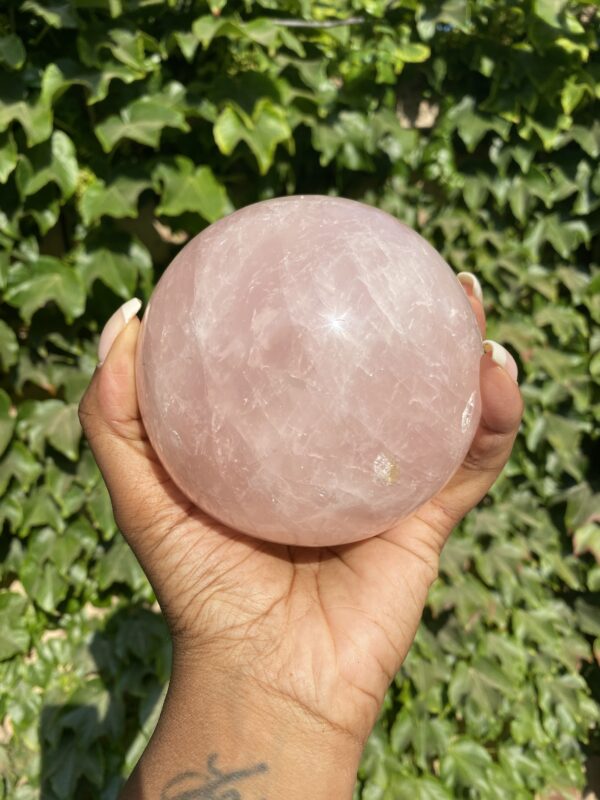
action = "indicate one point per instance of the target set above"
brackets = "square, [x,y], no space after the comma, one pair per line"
[140,490]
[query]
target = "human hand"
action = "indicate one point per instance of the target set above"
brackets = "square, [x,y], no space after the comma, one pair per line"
[300,644]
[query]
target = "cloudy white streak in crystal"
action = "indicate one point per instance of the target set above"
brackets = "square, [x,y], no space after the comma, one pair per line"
[310,370]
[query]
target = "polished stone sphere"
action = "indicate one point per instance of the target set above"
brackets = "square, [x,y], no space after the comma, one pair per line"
[308,370]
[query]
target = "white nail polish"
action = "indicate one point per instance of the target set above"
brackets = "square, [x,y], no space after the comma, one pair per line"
[502,357]
[130,309]
[469,278]
[115,325]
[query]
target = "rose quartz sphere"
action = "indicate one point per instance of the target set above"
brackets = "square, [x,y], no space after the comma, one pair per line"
[308,371]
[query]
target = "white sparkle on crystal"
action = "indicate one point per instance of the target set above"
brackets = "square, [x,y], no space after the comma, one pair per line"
[467,414]
[335,322]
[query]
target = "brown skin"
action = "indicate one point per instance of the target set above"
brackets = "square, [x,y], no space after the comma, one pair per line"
[282,655]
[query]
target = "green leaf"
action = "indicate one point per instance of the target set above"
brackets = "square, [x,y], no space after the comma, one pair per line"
[21,465]
[464,765]
[472,125]
[12,52]
[35,115]
[117,261]
[51,421]
[40,510]
[32,286]
[53,161]
[189,188]
[8,416]
[9,347]
[187,43]
[412,52]
[117,199]
[8,156]
[44,584]
[588,617]
[447,15]
[144,119]
[100,510]
[119,565]
[55,14]
[205,28]
[14,636]
[550,11]
[266,129]
[587,539]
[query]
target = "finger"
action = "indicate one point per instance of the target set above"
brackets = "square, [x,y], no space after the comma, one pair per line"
[502,409]
[139,487]
[474,292]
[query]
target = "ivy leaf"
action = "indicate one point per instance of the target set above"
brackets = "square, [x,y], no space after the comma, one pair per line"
[7,420]
[96,80]
[8,155]
[472,125]
[53,161]
[20,464]
[117,199]
[187,43]
[408,788]
[57,15]
[587,539]
[14,636]
[32,286]
[119,565]
[550,11]
[588,617]
[446,15]
[51,421]
[117,262]
[144,119]
[44,584]
[262,133]
[39,509]
[464,765]
[412,52]
[9,347]
[12,52]
[100,510]
[34,113]
[189,188]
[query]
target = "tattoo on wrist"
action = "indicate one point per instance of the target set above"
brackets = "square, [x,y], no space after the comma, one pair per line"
[215,785]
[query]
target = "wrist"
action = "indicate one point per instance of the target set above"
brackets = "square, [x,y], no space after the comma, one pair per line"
[220,726]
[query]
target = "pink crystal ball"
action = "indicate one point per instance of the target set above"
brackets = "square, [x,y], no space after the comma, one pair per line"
[308,371]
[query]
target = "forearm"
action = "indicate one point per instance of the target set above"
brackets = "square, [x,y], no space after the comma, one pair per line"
[219,737]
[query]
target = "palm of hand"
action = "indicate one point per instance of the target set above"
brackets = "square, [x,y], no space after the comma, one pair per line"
[324,628]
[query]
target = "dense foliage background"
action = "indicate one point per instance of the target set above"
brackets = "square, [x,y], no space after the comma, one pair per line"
[128,125]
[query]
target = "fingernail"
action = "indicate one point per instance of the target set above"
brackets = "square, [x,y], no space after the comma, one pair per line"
[502,357]
[469,280]
[115,325]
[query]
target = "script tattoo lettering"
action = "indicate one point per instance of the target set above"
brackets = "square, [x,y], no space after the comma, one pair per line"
[216,785]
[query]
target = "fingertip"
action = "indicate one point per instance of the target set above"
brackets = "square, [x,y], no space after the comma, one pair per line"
[502,357]
[119,320]
[502,403]
[471,285]
[115,378]
[474,292]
